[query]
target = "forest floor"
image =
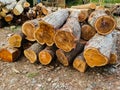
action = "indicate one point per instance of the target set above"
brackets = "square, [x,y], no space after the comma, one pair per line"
[21,75]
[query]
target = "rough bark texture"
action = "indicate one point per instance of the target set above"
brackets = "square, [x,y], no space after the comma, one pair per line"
[103,23]
[32,52]
[79,63]
[66,58]
[97,50]
[85,6]
[29,27]
[67,37]
[87,32]
[47,55]
[46,32]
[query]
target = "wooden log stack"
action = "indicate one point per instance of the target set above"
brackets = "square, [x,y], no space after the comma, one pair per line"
[74,37]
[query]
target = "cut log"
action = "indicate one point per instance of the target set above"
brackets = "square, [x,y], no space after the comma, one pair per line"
[79,63]
[67,37]
[97,50]
[46,32]
[19,7]
[2,14]
[87,32]
[66,58]
[6,2]
[47,55]
[44,10]
[31,14]
[29,27]
[26,5]
[8,18]
[16,39]
[85,6]
[32,52]
[118,23]
[103,23]
[9,54]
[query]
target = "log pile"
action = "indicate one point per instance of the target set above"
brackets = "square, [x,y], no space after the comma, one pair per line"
[80,36]
[16,13]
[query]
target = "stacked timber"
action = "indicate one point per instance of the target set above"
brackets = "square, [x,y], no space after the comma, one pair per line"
[80,37]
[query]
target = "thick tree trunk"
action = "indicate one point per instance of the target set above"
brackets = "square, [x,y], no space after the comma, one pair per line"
[32,52]
[103,23]
[85,6]
[46,32]
[47,55]
[66,58]
[79,63]
[16,39]
[67,37]
[87,32]
[97,50]
[29,27]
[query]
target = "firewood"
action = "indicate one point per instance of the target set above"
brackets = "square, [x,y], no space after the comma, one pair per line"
[26,5]
[6,2]
[47,55]
[44,10]
[8,18]
[46,32]
[97,50]
[87,32]
[31,14]
[118,22]
[19,7]
[2,14]
[32,52]
[103,23]
[67,37]
[85,6]
[79,63]
[99,8]
[29,27]
[66,58]
[16,39]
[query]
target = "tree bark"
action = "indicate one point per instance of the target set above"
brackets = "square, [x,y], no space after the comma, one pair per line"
[97,50]
[66,58]
[103,23]
[87,32]
[79,63]
[67,37]
[46,32]
[32,52]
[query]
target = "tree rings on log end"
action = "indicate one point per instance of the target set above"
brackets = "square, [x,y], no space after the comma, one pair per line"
[94,58]
[105,25]
[65,40]
[45,33]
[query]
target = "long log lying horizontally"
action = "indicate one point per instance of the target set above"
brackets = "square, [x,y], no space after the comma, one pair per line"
[97,50]
[103,23]
[45,33]
[67,37]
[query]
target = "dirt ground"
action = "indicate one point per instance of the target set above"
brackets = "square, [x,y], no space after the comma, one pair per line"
[21,75]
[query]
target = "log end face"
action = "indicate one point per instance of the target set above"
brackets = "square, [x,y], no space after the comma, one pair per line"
[65,40]
[62,58]
[45,58]
[113,58]
[30,55]
[105,25]
[94,58]
[82,16]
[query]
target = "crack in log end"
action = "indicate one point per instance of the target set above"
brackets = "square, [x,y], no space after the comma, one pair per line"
[105,25]
[94,58]
[65,40]
[62,58]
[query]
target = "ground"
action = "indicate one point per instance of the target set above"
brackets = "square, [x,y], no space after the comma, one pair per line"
[21,75]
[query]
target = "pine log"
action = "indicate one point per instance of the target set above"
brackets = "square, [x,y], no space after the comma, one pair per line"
[31,14]
[66,58]
[44,10]
[99,8]
[67,37]
[97,50]
[87,32]
[32,52]
[85,6]
[2,14]
[9,54]
[29,27]
[103,23]
[79,63]
[16,39]
[26,5]
[8,18]
[47,55]
[118,23]
[6,2]
[46,32]
[19,7]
